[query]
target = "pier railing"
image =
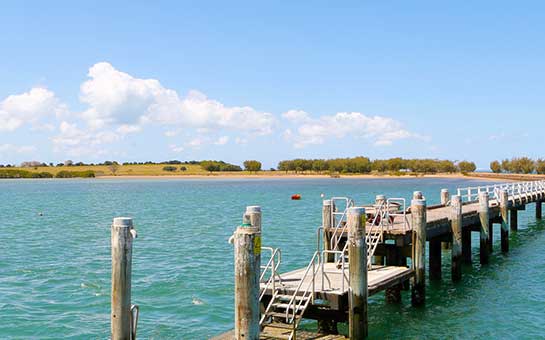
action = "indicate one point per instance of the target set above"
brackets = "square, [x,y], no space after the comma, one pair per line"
[271,268]
[516,190]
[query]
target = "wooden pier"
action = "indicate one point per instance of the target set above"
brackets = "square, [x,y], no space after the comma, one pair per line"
[391,235]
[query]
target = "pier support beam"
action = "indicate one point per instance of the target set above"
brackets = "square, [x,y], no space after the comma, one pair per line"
[538,210]
[393,258]
[327,220]
[490,236]
[122,235]
[435,259]
[466,245]
[513,219]
[484,216]
[247,243]
[504,208]
[418,216]
[357,269]
[456,226]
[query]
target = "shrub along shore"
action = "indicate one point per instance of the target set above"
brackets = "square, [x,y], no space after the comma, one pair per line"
[296,167]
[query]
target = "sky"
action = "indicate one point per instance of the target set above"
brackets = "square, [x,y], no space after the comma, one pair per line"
[152,81]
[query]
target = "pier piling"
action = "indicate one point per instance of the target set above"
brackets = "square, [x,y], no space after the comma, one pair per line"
[123,327]
[435,259]
[456,226]
[513,219]
[357,268]
[418,216]
[247,243]
[445,197]
[538,210]
[327,224]
[484,216]
[504,208]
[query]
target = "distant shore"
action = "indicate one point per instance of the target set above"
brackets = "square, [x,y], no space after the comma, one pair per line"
[275,175]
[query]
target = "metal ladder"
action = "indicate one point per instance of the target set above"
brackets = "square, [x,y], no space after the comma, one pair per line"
[286,308]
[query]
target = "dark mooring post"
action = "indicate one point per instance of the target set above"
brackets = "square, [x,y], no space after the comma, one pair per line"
[456,226]
[247,243]
[435,259]
[326,223]
[513,219]
[357,269]
[484,216]
[504,208]
[418,219]
[538,210]
[122,237]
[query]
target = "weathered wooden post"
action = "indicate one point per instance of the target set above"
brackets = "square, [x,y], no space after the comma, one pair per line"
[327,212]
[417,195]
[357,267]
[418,219]
[445,199]
[484,216]
[456,225]
[504,208]
[513,219]
[445,196]
[123,327]
[247,243]
[538,209]
[435,259]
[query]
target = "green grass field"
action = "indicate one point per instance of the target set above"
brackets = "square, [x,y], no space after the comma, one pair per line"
[123,170]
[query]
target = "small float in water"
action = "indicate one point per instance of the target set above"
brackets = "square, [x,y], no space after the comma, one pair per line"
[295,197]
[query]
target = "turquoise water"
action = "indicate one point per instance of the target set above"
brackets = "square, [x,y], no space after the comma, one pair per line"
[55,268]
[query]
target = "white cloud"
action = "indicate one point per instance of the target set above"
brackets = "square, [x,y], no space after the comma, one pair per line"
[222,140]
[381,130]
[176,148]
[10,148]
[296,116]
[116,97]
[29,108]
[75,141]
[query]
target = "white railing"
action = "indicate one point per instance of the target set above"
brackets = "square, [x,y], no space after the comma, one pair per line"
[516,190]
[271,268]
[340,228]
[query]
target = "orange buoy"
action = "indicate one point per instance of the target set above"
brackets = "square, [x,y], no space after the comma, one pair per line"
[296,197]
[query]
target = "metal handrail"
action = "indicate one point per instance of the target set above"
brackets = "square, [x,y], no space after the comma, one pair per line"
[337,238]
[272,266]
[306,297]
[517,190]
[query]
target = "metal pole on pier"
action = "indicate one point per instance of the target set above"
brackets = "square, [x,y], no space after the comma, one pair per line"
[418,215]
[456,226]
[484,216]
[327,211]
[247,241]
[504,208]
[357,271]
[123,316]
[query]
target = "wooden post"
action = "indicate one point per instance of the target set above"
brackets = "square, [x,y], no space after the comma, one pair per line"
[357,268]
[484,216]
[445,196]
[393,258]
[122,235]
[538,210]
[490,237]
[504,208]
[326,223]
[466,245]
[513,223]
[417,195]
[456,226]
[247,243]
[418,219]
[435,259]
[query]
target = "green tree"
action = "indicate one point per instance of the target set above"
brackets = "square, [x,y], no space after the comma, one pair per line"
[495,167]
[466,166]
[252,165]
[540,166]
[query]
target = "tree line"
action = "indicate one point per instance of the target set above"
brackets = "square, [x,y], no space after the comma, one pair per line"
[365,165]
[519,165]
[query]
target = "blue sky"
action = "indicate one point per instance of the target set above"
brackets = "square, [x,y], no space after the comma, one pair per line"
[137,81]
